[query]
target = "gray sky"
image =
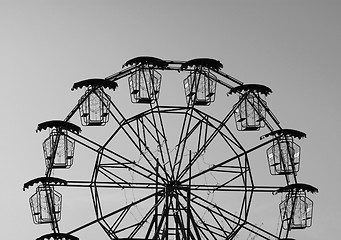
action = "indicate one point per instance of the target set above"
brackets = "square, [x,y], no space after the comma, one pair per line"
[293,47]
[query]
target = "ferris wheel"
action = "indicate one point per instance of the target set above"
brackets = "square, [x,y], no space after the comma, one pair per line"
[173,171]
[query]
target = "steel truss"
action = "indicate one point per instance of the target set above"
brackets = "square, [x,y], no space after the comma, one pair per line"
[184,173]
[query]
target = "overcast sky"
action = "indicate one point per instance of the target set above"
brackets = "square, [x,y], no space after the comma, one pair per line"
[293,47]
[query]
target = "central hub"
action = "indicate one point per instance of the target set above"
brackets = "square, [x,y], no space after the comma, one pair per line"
[172,186]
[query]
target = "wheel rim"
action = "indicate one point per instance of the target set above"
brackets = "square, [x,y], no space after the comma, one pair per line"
[173,171]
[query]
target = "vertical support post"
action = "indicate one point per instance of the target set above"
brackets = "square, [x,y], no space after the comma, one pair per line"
[165,233]
[189,197]
[156,195]
[176,221]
